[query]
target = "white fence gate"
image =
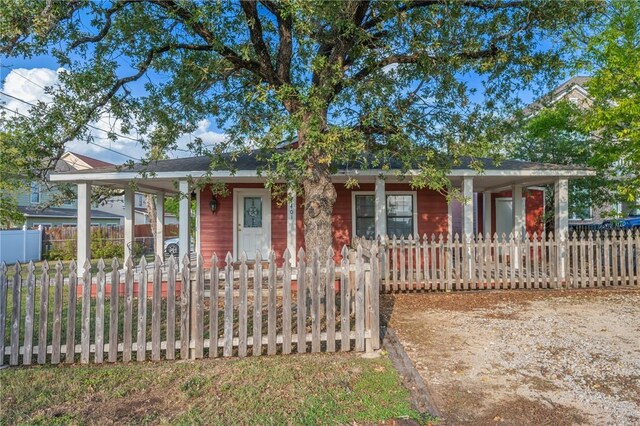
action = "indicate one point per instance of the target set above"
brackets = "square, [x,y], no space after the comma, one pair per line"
[20,245]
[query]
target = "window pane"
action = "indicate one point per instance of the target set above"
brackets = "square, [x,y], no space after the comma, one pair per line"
[253,212]
[35,193]
[365,206]
[366,227]
[400,226]
[399,205]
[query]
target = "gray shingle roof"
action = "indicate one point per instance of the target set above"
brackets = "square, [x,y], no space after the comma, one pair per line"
[250,161]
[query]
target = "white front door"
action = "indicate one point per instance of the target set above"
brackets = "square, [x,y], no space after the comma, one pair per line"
[253,222]
[504,216]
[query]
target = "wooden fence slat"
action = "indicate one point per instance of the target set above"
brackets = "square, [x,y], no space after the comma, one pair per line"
[359,305]
[171,309]
[487,259]
[607,262]
[543,251]
[227,349]
[590,259]
[156,309]
[29,312]
[43,314]
[301,305]
[315,302]
[99,329]
[214,296]
[198,305]
[331,300]
[345,301]
[16,302]
[426,270]
[185,307]
[410,270]
[128,311]
[394,258]
[85,329]
[257,306]
[403,273]
[374,299]
[615,258]
[448,263]
[535,266]
[4,286]
[629,256]
[286,304]
[242,306]
[418,257]
[113,311]
[271,314]
[70,342]
[143,279]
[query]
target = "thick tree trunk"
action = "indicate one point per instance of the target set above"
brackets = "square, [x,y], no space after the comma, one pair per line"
[319,198]
[150,203]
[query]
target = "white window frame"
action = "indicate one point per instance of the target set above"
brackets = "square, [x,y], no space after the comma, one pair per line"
[31,192]
[414,195]
[574,216]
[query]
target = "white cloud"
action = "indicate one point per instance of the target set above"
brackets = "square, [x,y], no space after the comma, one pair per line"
[28,85]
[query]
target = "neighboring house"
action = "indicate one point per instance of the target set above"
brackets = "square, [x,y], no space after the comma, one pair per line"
[575,91]
[115,205]
[247,219]
[34,204]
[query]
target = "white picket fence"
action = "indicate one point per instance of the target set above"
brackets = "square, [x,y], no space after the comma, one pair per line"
[534,261]
[221,310]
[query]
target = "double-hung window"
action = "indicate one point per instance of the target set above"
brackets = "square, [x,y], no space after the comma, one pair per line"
[35,193]
[365,213]
[400,215]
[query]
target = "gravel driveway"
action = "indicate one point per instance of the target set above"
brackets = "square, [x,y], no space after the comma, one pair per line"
[526,357]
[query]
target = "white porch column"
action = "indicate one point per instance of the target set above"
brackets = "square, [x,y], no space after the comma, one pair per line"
[291,225]
[185,217]
[129,222]
[467,207]
[159,243]
[518,211]
[561,207]
[381,208]
[84,225]
[487,208]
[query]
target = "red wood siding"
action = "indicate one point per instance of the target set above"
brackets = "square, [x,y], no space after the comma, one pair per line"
[216,231]
[534,209]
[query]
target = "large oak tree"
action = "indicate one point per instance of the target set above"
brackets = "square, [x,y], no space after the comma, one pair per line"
[421,82]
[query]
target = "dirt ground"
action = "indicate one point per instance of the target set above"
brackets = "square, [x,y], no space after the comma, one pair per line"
[525,357]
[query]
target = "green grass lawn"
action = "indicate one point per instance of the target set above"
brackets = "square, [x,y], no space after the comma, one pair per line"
[299,389]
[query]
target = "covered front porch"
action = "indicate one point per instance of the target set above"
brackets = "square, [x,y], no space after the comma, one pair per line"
[221,223]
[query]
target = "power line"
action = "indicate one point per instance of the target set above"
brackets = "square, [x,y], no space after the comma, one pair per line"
[89,142]
[88,125]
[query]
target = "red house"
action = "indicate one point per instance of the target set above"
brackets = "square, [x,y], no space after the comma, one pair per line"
[503,198]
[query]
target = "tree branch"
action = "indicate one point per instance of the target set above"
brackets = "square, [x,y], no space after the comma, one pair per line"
[426,3]
[104,30]
[250,9]
[201,30]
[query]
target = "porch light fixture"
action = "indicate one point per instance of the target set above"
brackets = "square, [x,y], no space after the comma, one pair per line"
[213,204]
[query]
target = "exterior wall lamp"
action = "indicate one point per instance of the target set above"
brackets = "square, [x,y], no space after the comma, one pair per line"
[213,204]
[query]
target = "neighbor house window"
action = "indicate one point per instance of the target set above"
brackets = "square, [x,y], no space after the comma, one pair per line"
[35,193]
[365,216]
[400,215]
